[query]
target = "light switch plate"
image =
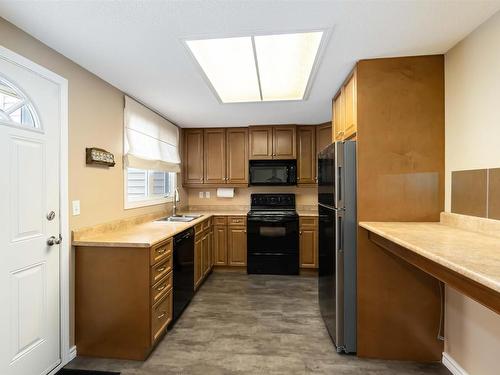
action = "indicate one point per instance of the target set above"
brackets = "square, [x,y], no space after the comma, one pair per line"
[76,208]
[200,194]
[207,194]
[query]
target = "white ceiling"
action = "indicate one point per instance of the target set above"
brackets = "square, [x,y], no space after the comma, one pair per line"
[136,45]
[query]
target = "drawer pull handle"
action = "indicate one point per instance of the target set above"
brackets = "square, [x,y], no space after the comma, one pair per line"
[161,287]
[162,314]
[161,269]
[161,250]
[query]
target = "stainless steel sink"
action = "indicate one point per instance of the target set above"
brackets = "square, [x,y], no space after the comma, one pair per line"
[181,218]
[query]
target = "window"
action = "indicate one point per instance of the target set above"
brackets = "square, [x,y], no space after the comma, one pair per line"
[149,187]
[151,156]
[15,107]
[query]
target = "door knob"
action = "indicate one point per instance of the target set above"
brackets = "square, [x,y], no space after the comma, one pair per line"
[52,240]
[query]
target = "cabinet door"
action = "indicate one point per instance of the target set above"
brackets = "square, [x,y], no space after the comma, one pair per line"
[338,117]
[350,105]
[193,156]
[323,136]
[308,248]
[237,246]
[215,156]
[284,142]
[306,155]
[323,139]
[261,142]
[205,250]
[211,248]
[237,155]
[220,244]
[198,262]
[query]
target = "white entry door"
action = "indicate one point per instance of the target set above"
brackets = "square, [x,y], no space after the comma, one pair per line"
[29,191]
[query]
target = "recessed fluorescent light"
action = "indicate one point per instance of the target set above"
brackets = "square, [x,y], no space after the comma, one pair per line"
[229,65]
[258,68]
[285,63]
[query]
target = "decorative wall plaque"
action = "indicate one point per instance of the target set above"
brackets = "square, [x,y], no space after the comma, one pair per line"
[99,156]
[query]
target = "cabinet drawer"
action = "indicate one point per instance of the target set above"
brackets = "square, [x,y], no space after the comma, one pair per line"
[160,270]
[205,225]
[237,221]
[220,220]
[161,288]
[198,228]
[161,315]
[308,222]
[161,251]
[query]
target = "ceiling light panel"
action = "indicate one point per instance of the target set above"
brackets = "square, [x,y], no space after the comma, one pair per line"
[229,64]
[285,63]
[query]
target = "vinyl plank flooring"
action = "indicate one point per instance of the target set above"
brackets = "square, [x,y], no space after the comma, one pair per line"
[253,324]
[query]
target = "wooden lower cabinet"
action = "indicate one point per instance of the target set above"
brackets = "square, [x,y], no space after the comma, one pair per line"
[203,251]
[237,246]
[308,242]
[230,241]
[123,299]
[198,261]
[220,245]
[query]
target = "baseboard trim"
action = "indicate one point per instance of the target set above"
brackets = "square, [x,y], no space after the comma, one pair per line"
[72,353]
[452,365]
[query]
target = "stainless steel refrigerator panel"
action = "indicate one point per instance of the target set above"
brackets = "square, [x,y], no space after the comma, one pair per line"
[349,247]
[339,280]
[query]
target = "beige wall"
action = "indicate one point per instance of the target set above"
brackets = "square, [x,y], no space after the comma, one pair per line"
[472,71]
[304,196]
[95,119]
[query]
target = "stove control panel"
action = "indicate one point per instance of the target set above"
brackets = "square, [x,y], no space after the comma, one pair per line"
[273,201]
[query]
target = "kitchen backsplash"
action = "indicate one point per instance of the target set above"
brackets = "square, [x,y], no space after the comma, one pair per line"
[306,197]
[476,193]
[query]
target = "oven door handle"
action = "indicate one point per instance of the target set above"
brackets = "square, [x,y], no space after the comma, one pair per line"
[267,254]
[268,220]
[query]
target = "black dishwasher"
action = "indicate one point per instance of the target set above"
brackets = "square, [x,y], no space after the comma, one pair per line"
[183,271]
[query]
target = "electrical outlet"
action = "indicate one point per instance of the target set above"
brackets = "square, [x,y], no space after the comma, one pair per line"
[76,208]
[200,195]
[207,194]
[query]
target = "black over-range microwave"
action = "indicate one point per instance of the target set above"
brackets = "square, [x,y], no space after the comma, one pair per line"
[273,172]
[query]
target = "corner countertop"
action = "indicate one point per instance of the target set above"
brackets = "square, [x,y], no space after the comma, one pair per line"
[151,232]
[146,234]
[469,246]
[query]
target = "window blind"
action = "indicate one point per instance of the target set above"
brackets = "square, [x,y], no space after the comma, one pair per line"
[150,142]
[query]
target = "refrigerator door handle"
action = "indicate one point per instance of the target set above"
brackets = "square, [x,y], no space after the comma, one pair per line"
[340,234]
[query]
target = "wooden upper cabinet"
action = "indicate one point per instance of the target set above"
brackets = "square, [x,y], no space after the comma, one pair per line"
[323,136]
[350,107]
[284,142]
[272,142]
[338,117]
[193,156]
[345,109]
[306,152]
[215,156]
[261,142]
[237,155]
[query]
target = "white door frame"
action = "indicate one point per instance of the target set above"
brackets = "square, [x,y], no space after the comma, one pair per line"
[66,353]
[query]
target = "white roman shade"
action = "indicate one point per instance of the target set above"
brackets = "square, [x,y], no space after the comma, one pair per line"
[150,142]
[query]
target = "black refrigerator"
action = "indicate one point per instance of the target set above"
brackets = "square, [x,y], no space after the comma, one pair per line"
[337,242]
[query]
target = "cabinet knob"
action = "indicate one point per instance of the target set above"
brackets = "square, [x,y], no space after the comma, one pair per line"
[300,232]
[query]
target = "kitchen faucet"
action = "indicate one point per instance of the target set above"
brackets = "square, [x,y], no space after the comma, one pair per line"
[174,205]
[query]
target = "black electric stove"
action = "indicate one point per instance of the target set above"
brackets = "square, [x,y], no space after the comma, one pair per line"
[273,235]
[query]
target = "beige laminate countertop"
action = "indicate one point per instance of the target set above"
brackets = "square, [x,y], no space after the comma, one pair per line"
[473,254]
[147,234]
[152,232]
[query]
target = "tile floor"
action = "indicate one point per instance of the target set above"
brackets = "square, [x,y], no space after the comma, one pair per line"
[252,324]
